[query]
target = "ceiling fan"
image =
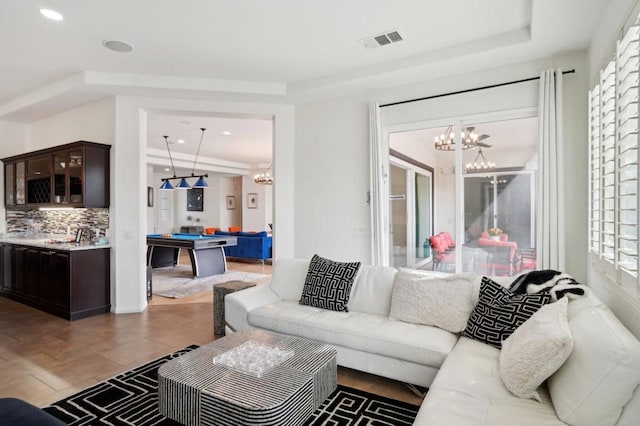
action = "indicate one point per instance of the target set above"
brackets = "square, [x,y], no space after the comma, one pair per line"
[470,139]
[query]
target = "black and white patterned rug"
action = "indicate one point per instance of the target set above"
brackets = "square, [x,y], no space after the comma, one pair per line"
[131,398]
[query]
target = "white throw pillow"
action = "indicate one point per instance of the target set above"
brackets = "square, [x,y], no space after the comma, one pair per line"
[442,301]
[536,350]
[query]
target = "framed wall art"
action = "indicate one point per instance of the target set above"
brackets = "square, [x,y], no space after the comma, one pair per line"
[195,200]
[231,202]
[252,200]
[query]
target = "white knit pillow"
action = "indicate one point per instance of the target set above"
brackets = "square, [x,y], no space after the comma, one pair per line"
[536,350]
[424,298]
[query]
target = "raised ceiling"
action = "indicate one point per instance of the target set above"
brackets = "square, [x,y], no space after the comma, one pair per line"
[282,50]
[285,49]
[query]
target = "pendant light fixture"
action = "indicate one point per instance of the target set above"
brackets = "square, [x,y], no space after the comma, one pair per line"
[183,184]
[480,164]
[264,178]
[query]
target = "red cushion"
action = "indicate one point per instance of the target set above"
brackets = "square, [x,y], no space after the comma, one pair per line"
[449,239]
[436,243]
[446,257]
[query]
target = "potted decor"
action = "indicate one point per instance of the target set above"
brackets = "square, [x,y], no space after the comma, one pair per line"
[494,233]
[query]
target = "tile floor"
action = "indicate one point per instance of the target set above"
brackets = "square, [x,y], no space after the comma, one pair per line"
[44,358]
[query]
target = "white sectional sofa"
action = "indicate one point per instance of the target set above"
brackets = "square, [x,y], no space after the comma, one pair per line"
[593,387]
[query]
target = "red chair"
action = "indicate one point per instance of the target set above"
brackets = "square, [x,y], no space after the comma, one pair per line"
[443,252]
[528,260]
[502,256]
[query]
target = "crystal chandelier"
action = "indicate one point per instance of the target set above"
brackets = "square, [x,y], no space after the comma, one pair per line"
[264,178]
[480,164]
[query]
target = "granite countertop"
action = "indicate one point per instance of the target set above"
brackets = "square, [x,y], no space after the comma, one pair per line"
[54,242]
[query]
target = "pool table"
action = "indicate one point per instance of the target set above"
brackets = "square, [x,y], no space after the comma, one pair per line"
[205,251]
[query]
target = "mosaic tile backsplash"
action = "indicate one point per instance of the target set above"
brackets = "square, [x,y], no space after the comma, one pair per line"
[57,221]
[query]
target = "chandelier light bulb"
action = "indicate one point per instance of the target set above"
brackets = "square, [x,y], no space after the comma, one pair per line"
[469,139]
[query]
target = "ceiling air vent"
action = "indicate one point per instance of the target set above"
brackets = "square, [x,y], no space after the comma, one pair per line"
[388,37]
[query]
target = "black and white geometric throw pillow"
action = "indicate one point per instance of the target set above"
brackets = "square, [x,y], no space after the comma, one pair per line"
[499,312]
[328,284]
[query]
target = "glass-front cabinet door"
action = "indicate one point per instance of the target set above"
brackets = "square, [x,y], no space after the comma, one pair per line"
[60,168]
[9,184]
[21,192]
[39,180]
[75,177]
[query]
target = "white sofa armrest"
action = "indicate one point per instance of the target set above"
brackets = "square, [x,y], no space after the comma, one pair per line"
[237,305]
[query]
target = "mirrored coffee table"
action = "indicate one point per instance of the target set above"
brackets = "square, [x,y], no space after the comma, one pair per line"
[195,390]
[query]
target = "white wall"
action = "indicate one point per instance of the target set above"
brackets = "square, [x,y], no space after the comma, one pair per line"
[14,139]
[332,180]
[625,308]
[93,122]
[230,187]
[256,219]
[152,212]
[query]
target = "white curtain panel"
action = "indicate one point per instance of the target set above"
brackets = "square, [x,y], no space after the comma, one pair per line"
[376,178]
[550,206]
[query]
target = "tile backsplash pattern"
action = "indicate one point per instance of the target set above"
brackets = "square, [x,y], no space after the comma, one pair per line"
[57,221]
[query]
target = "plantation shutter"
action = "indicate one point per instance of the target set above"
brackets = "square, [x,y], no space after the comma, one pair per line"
[608,161]
[627,150]
[595,189]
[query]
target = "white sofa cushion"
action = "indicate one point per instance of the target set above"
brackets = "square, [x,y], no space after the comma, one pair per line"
[603,370]
[288,278]
[371,293]
[468,391]
[444,301]
[357,330]
[536,350]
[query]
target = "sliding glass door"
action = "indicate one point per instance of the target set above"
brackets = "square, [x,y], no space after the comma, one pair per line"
[500,200]
[411,213]
[480,193]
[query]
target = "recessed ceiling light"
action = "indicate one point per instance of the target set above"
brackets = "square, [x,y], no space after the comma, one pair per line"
[118,45]
[51,14]
[226,133]
[180,141]
[166,169]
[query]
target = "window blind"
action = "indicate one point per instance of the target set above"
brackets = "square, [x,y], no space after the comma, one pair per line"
[595,199]
[614,160]
[627,150]
[607,161]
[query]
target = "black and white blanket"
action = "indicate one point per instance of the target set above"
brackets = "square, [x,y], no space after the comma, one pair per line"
[557,284]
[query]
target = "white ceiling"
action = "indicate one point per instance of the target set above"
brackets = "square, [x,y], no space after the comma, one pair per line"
[288,50]
[249,141]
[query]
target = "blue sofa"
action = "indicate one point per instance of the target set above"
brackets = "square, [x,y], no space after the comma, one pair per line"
[251,245]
